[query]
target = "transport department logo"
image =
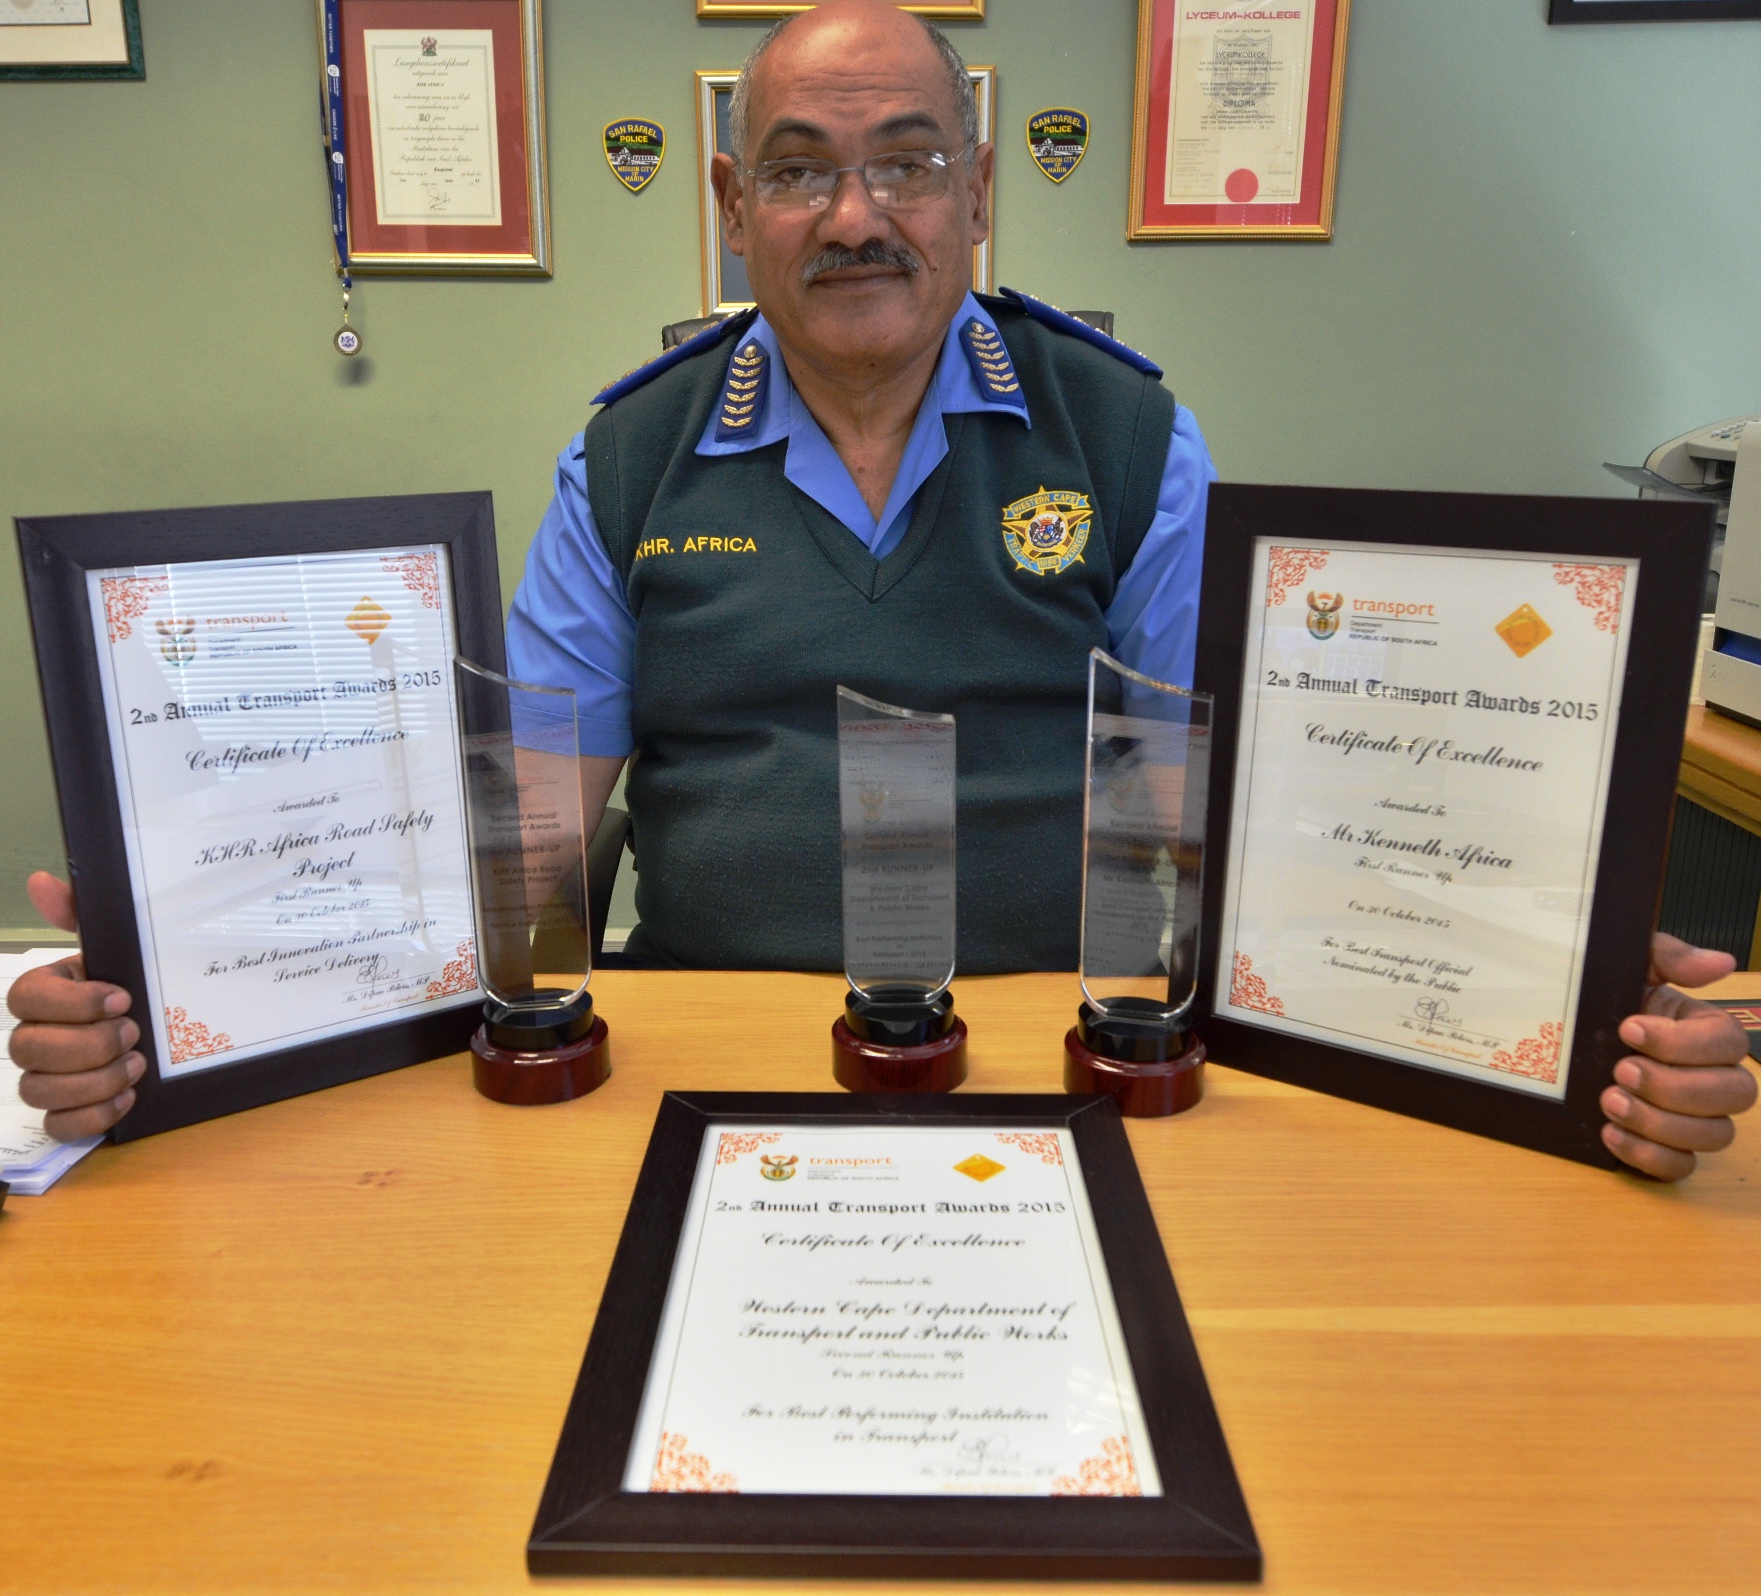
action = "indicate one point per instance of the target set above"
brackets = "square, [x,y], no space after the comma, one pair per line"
[1324,614]
[1047,531]
[177,644]
[979,1168]
[635,148]
[1523,630]
[367,620]
[773,1167]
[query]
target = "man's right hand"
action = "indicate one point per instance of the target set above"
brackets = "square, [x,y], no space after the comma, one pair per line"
[73,1041]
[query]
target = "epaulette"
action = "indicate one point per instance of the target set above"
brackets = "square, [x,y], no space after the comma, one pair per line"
[1052,317]
[695,344]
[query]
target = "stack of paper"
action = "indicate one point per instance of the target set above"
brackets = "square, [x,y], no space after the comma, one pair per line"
[31,1160]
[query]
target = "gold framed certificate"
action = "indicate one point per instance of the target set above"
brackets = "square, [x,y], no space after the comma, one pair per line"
[443,135]
[724,273]
[859,1335]
[252,720]
[1446,741]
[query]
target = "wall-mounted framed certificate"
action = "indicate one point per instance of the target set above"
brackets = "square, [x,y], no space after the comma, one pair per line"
[74,39]
[444,136]
[1235,132]
[256,750]
[937,10]
[1446,739]
[921,1337]
[724,273]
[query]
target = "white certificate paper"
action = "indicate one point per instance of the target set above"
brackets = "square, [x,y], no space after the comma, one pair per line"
[431,105]
[1426,739]
[1239,102]
[908,1310]
[287,766]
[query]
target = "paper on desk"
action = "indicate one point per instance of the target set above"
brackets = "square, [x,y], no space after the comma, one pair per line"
[31,1160]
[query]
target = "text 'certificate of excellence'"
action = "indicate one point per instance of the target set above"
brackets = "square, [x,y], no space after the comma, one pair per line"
[1426,739]
[914,1310]
[287,766]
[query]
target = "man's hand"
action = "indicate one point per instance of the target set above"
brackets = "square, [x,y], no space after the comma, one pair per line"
[1678,1100]
[72,1041]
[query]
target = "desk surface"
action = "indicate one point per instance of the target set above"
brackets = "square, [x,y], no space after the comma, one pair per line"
[327,1345]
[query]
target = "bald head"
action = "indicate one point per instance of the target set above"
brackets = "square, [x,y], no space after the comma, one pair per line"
[854,29]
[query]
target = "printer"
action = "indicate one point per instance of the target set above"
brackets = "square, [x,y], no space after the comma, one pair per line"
[1721,465]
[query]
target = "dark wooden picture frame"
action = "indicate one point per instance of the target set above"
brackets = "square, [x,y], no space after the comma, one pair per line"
[1672,540]
[56,553]
[1652,10]
[588,1524]
[134,68]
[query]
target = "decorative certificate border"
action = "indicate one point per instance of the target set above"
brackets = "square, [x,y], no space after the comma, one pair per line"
[682,1512]
[1311,216]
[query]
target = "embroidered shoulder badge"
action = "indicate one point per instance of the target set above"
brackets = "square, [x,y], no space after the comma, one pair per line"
[991,365]
[743,393]
[1047,531]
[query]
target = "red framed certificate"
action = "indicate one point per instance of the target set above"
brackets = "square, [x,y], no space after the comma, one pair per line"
[444,136]
[1236,130]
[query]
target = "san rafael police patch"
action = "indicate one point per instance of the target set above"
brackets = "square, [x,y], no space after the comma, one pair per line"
[1057,139]
[635,148]
[1047,531]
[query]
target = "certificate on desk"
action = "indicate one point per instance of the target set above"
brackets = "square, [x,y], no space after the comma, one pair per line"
[1451,748]
[914,1311]
[251,716]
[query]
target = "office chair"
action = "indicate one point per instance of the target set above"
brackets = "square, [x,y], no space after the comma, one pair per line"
[675,333]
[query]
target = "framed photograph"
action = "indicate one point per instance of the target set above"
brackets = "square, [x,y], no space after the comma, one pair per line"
[1652,10]
[944,11]
[893,1335]
[443,136]
[1445,746]
[252,725]
[724,273]
[42,39]
[1235,133]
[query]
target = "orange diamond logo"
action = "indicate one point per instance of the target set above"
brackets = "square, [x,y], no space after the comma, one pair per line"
[367,620]
[979,1168]
[1523,630]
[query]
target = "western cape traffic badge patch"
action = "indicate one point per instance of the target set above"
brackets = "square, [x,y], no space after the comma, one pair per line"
[1057,140]
[1047,531]
[634,148]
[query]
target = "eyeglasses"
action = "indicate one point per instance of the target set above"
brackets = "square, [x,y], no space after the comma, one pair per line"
[895,182]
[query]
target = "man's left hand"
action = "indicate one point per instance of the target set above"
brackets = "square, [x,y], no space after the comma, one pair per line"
[1675,1095]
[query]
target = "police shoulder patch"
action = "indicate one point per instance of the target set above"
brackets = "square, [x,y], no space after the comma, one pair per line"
[695,344]
[1047,531]
[1060,321]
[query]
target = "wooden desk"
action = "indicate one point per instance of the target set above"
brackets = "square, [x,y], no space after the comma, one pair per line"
[327,1345]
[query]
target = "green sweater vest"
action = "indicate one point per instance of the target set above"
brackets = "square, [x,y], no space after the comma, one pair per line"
[753,604]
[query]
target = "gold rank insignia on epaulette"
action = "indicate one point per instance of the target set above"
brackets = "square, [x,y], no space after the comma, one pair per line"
[991,365]
[742,400]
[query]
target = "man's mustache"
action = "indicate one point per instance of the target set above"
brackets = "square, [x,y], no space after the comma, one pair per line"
[836,257]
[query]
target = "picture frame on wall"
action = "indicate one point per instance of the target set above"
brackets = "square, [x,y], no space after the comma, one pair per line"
[944,11]
[1653,10]
[724,273]
[1235,129]
[444,136]
[43,40]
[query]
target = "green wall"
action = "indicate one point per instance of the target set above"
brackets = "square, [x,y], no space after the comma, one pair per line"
[1545,256]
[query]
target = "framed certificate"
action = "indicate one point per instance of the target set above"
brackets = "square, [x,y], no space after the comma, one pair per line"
[1236,128]
[251,719]
[42,39]
[724,273]
[443,119]
[910,1336]
[1446,739]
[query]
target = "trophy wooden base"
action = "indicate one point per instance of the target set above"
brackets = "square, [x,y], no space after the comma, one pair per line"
[529,1057]
[897,1040]
[1150,1069]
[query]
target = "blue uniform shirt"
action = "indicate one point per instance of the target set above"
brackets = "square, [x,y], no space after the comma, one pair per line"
[571,625]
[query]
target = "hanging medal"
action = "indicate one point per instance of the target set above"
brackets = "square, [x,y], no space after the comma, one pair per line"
[347,340]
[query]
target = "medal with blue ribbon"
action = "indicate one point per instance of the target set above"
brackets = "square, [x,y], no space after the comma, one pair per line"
[347,340]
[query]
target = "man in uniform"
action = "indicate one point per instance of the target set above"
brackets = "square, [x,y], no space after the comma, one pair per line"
[879,480]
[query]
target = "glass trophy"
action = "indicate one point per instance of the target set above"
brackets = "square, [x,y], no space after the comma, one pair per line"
[538,1043]
[898,1031]
[1149,748]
